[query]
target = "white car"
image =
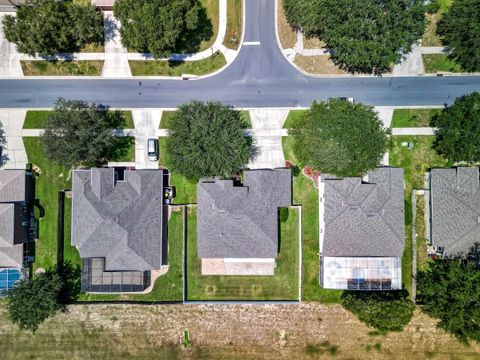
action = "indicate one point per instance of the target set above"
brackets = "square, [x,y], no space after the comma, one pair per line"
[152,148]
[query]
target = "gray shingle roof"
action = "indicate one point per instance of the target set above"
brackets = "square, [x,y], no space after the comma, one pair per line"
[12,185]
[455,208]
[364,219]
[12,234]
[242,221]
[122,220]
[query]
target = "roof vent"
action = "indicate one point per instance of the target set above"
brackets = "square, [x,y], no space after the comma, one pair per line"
[478,219]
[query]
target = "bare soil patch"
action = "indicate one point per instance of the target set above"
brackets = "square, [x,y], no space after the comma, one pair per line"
[287,35]
[320,64]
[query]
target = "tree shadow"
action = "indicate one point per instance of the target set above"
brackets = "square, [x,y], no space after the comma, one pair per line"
[3,143]
[71,282]
[111,27]
[121,148]
[190,40]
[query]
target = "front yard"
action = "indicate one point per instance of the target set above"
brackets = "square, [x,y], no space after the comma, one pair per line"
[177,68]
[440,63]
[62,68]
[282,286]
[413,117]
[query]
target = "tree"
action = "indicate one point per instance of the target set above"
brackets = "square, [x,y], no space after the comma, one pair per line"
[47,27]
[459,30]
[339,138]
[207,140]
[450,291]
[3,143]
[363,36]
[30,302]
[156,26]
[79,133]
[457,137]
[383,310]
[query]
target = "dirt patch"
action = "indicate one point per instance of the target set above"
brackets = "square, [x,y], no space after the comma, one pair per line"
[320,64]
[287,35]
[305,331]
[313,43]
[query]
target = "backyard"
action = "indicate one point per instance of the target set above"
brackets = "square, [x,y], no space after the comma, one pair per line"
[415,162]
[282,286]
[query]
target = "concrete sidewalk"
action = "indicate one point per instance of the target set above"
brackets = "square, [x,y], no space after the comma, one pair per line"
[413,131]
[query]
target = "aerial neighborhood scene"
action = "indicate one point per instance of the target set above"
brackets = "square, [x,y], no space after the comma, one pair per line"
[240,179]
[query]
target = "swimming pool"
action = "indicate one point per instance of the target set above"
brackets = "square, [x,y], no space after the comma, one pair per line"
[8,277]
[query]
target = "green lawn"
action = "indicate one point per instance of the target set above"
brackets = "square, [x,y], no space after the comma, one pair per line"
[167,287]
[233,34]
[38,119]
[293,116]
[413,117]
[440,63]
[415,163]
[186,190]
[282,286]
[305,194]
[52,178]
[177,68]
[62,68]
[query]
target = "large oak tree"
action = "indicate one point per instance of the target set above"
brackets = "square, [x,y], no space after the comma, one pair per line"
[79,133]
[340,138]
[365,36]
[157,26]
[459,30]
[208,140]
[457,137]
[47,27]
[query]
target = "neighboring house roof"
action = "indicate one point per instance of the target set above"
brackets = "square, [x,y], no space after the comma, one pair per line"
[12,185]
[119,220]
[12,233]
[364,218]
[242,221]
[455,209]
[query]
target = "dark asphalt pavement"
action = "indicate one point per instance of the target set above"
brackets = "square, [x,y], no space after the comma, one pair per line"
[260,76]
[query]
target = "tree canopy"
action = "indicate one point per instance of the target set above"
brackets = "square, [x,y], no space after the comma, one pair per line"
[207,140]
[450,291]
[459,30]
[30,302]
[340,138]
[365,36]
[383,310]
[457,137]
[79,133]
[157,26]
[47,27]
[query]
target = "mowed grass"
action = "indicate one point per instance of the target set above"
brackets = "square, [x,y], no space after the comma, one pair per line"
[415,162]
[167,287]
[282,286]
[305,194]
[186,190]
[440,63]
[177,68]
[52,178]
[234,31]
[413,117]
[62,68]
[293,117]
[38,119]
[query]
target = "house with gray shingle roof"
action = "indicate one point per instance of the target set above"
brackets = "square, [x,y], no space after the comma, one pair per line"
[17,226]
[117,227]
[237,224]
[454,210]
[362,230]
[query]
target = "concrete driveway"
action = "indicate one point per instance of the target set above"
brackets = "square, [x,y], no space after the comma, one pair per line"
[9,64]
[147,122]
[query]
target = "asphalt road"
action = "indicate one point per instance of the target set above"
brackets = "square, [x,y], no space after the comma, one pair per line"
[259,77]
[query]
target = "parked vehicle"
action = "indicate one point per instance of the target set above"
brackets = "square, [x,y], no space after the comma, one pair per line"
[152,148]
